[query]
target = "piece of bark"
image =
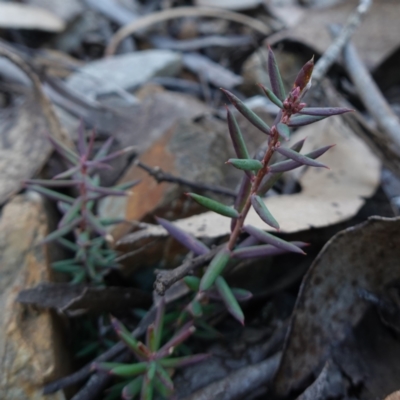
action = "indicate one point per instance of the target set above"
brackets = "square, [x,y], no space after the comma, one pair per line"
[65,297]
[31,346]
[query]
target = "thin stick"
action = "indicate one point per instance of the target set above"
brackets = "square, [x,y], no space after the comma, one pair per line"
[335,49]
[160,176]
[180,12]
[373,99]
[165,279]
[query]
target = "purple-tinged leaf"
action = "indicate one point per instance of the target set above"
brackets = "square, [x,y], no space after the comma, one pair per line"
[82,145]
[300,158]
[63,150]
[275,76]
[270,178]
[94,222]
[192,282]
[140,350]
[241,294]
[62,231]
[51,183]
[183,237]
[132,388]
[127,185]
[183,361]
[288,165]
[229,299]
[98,165]
[324,111]
[68,173]
[303,78]
[90,144]
[244,190]
[249,241]
[248,113]
[263,212]
[271,239]
[236,136]
[245,165]
[270,94]
[217,265]
[107,191]
[301,120]
[241,197]
[116,154]
[158,325]
[186,331]
[52,194]
[104,149]
[72,212]
[213,205]
[283,131]
[264,250]
[164,377]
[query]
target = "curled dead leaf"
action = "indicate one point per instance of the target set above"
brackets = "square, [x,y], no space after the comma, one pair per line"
[328,305]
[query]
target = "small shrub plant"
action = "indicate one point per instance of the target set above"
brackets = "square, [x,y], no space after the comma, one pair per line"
[259,176]
[84,233]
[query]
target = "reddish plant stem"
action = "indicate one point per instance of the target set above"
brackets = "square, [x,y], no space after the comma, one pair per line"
[255,186]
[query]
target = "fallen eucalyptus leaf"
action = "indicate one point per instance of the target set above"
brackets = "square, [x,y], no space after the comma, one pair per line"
[328,305]
[24,16]
[354,176]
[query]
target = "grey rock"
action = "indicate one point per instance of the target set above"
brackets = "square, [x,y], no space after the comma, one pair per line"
[123,72]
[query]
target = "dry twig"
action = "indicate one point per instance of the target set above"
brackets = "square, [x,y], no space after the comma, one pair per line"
[334,50]
[180,12]
[166,279]
[160,176]
[374,101]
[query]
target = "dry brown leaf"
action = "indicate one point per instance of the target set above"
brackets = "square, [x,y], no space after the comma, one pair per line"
[362,257]
[327,196]
[394,396]
[23,16]
[375,39]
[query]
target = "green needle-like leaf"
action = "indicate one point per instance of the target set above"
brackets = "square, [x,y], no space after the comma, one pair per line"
[62,231]
[52,194]
[263,212]
[301,158]
[132,388]
[148,382]
[229,299]
[129,369]
[246,165]
[236,136]
[270,94]
[215,269]
[215,206]
[248,113]
[192,282]
[283,130]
